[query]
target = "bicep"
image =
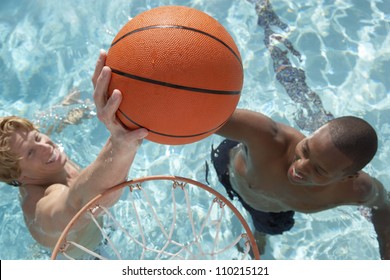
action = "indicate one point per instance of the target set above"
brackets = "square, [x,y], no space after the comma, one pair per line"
[249,127]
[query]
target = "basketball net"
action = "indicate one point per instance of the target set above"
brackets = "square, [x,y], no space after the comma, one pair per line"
[164,217]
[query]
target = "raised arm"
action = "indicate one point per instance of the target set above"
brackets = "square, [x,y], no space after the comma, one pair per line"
[257,131]
[48,210]
[245,124]
[112,165]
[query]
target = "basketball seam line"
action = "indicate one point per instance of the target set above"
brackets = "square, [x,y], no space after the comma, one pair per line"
[170,135]
[179,27]
[165,84]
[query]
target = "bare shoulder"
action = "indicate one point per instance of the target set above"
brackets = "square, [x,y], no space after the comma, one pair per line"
[371,190]
[44,211]
[39,203]
[363,188]
[54,197]
[368,191]
[29,197]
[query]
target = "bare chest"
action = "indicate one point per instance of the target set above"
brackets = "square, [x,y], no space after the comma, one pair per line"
[263,189]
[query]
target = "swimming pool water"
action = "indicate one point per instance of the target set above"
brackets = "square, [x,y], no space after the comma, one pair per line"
[49,48]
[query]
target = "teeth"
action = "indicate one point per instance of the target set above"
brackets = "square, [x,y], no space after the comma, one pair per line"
[60,148]
[53,157]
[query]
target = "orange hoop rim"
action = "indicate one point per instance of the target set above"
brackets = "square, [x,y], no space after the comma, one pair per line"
[129,183]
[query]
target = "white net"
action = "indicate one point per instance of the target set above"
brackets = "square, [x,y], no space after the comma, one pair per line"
[166,218]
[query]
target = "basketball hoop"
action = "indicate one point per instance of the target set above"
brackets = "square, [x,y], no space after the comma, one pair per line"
[163,218]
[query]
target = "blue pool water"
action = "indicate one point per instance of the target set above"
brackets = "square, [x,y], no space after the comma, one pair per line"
[49,48]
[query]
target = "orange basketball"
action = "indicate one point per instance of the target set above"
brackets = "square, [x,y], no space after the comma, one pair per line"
[179,71]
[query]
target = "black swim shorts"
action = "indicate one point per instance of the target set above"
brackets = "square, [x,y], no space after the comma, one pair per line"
[266,222]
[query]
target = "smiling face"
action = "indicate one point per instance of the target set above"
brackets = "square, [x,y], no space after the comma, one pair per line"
[40,158]
[317,161]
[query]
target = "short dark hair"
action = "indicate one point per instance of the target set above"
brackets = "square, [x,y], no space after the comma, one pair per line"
[356,139]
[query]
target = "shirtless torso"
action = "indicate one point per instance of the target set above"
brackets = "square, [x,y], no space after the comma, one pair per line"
[32,197]
[277,169]
[272,171]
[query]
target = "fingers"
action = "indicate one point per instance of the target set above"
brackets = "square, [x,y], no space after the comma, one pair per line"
[106,108]
[99,66]
[140,133]
[135,137]
[100,93]
[113,104]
